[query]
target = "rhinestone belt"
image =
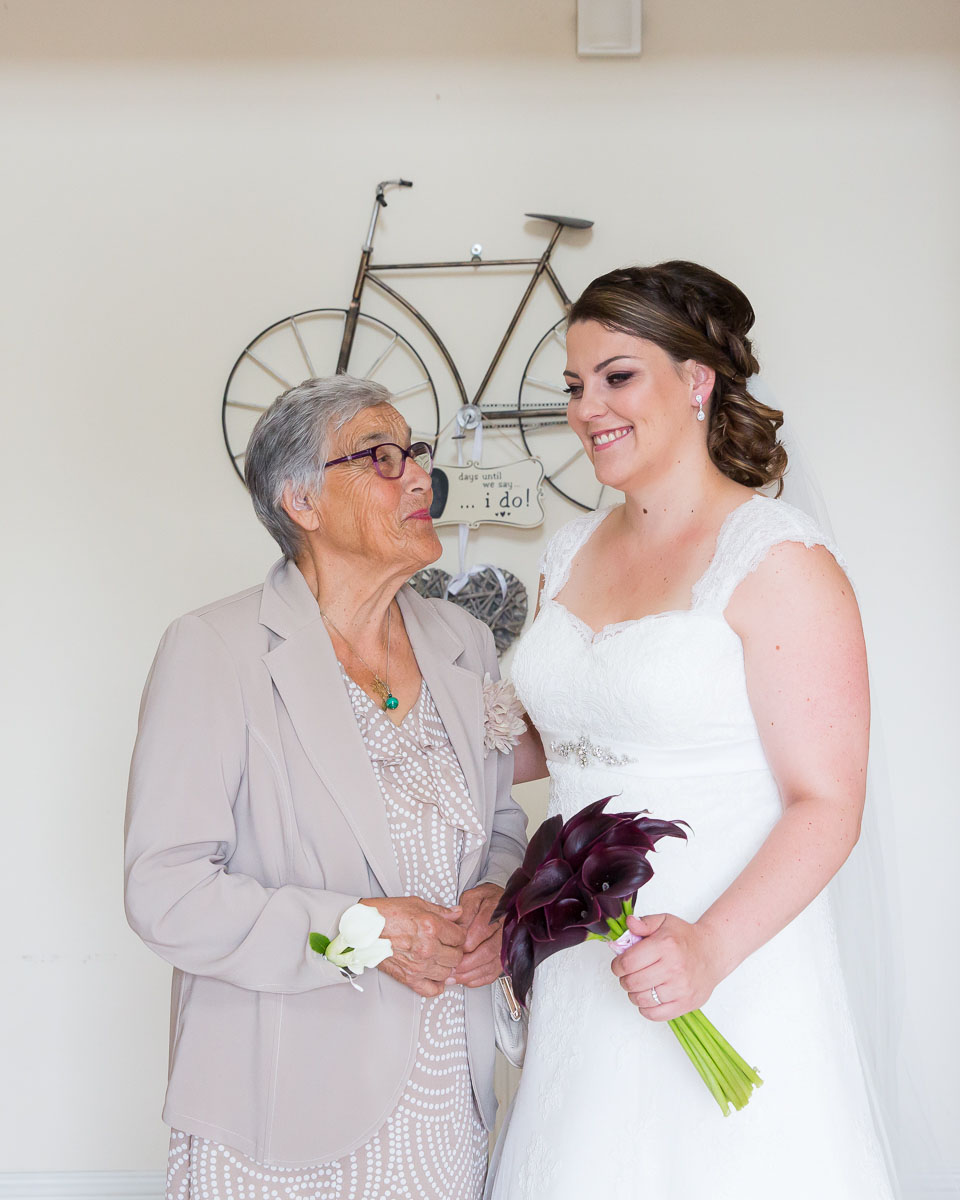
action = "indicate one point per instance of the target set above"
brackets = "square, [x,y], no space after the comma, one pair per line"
[584,751]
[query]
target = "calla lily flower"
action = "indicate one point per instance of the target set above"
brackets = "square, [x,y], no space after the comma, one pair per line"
[543,845]
[573,908]
[540,849]
[615,871]
[544,887]
[357,944]
[573,878]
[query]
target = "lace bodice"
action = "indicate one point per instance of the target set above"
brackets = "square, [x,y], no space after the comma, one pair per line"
[744,539]
[671,680]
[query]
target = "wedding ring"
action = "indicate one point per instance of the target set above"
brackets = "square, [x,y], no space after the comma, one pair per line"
[656,998]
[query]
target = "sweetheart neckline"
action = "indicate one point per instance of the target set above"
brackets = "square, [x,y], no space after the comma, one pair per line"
[597,635]
[613,628]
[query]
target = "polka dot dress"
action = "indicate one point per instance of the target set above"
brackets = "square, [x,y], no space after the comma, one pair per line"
[433,1146]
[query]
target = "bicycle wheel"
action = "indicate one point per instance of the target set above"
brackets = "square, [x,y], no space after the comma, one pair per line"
[306,345]
[542,404]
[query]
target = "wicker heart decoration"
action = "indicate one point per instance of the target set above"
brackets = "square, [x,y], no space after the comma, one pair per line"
[482,597]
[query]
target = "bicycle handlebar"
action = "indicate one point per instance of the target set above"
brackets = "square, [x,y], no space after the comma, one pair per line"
[390,183]
[381,202]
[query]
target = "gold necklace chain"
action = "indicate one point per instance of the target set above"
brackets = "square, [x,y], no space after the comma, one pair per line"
[381,686]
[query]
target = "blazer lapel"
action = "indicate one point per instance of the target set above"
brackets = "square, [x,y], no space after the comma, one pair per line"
[305,672]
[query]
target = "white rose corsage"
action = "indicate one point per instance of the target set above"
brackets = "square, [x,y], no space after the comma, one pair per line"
[358,943]
[503,722]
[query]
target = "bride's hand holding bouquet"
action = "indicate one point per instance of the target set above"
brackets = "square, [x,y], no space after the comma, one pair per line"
[676,958]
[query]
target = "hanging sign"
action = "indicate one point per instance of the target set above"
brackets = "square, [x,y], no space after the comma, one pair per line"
[474,495]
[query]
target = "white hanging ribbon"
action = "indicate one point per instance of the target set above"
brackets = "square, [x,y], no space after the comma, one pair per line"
[459,580]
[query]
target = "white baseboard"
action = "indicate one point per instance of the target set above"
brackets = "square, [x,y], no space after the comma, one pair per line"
[934,1185]
[149,1185]
[82,1185]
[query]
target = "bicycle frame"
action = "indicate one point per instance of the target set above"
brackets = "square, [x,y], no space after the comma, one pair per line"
[369,272]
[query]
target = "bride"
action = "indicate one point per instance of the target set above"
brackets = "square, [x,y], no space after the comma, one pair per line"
[698,653]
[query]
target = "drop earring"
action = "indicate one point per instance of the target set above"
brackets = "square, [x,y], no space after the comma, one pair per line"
[700,413]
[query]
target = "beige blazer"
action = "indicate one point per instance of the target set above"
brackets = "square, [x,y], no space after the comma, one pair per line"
[254,817]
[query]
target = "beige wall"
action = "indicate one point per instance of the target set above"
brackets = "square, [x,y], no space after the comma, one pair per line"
[178,175]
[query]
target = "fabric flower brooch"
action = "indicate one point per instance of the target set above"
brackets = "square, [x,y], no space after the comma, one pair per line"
[358,943]
[503,722]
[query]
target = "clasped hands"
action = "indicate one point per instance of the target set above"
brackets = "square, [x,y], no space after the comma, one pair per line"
[434,946]
[676,958]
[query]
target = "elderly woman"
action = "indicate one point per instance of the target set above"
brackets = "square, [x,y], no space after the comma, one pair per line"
[304,747]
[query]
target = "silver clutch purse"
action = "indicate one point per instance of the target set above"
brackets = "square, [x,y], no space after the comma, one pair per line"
[509,1021]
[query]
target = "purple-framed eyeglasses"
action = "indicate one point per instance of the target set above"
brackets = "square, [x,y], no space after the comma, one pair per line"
[389,459]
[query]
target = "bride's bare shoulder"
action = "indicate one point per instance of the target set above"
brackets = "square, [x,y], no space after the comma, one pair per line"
[796,586]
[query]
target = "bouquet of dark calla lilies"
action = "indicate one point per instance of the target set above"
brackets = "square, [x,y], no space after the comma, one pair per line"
[579,881]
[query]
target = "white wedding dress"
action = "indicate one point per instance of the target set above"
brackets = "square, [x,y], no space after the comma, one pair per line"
[609,1105]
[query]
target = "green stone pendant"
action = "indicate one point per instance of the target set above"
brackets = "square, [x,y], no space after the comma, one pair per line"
[391,702]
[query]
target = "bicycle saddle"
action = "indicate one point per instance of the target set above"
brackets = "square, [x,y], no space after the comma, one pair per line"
[570,222]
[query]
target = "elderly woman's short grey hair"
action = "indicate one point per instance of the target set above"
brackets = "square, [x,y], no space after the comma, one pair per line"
[290,443]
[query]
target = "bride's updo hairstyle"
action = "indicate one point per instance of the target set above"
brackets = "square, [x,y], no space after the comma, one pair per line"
[691,312]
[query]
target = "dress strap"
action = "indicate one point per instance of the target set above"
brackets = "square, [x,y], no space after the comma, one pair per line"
[562,549]
[746,537]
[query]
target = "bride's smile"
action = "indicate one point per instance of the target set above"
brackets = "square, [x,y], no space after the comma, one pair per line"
[608,436]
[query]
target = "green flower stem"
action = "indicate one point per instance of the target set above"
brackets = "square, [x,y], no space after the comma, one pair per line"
[735,1086]
[724,1083]
[747,1077]
[748,1071]
[700,1061]
[737,1090]
[739,1086]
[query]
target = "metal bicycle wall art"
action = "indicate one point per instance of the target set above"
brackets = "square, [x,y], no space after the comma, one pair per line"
[328,340]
